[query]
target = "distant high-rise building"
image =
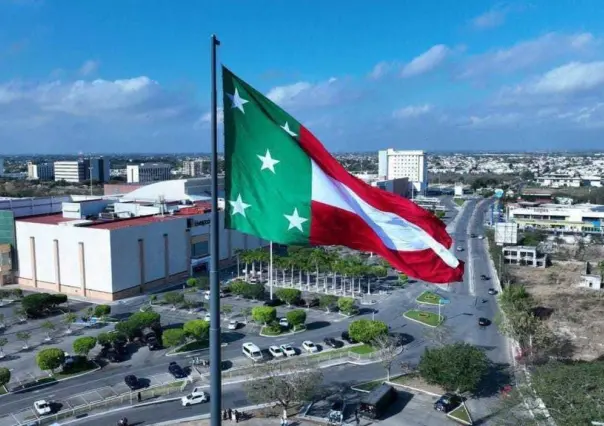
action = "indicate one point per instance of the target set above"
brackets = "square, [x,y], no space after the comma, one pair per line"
[195,167]
[71,171]
[1,166]
[99,169]
[412,165]
[43,171]
[148,172]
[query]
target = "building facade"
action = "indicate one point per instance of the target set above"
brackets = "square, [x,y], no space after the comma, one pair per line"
[558,217]
[195,168]
[99,169]
[148,172]
[71,171]
[1,166]
[43,171]
[412,165]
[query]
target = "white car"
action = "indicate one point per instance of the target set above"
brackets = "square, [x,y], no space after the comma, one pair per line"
[276,351]
[194,398]
[207,317]
[42,407]
[283,322]
[233,324]
[481,237]
[459,248]
[288,350]
[309,346]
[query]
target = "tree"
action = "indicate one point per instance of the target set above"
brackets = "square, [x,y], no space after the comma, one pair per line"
[128,329]
[264,314]
[191,282]
[102,311]
[346,305]
[456,368]
[50,359]
[17,293]
[3,342]
[69,318]
[174,298]
[284,384]
[145,319]
[39,304]
[366,331]
[288,295]
[49,327]
[203,283]
[198,329]
[326,301]
[238,287]
[83,345]
[403,278]
[104,338]
[296,318]
[23,336]
[389,350]
[310,300]
[2,324]
[173,337]
[227,310]
[4,376]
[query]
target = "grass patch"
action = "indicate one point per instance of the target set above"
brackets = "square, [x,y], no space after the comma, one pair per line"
[78,368]
[195,345]
[461,413]
[404,379]
[429,298]
[425,317]
[368,386]
[459,201]
[267,331]
[362,349]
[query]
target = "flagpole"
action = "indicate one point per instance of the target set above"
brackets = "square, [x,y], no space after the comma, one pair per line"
[270,271]
[215,355]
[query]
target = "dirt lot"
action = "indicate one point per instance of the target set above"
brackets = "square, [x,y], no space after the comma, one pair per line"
[577,314]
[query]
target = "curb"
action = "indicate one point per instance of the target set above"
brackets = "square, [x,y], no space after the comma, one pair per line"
[291,333]
[423,323]
[56,381]
[413,389]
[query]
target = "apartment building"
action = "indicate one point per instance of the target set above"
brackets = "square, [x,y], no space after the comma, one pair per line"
[43,171]
[148,172]
[573,218]
[524,255]
[71,171]
[195,168]
[412,165]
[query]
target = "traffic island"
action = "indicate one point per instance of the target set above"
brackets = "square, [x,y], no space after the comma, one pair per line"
[430,298]
[461,415]
[424,317]
[266,331]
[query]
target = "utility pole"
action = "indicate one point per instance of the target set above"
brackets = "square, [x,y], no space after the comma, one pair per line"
[90,177]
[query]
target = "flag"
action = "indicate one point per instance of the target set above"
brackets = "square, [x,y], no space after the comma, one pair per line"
[282,185]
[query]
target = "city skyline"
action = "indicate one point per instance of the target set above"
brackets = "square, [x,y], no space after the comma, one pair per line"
[483,76]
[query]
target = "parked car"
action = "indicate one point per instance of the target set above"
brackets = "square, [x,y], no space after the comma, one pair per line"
[288,349]
[131,381]
[483,322]
[492,291]
[332,343]
[233,325]
[42,407]
[346,337]
[194,398]
[459,248]
[309,346]
[481,237]
[207,317]
[472,235]
[447,402]
[484,277]
[276,351]
[283,322]
[176,371]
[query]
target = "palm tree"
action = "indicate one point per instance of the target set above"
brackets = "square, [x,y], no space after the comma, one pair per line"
[316,257]
[246,258]
[262,256]
[3,342]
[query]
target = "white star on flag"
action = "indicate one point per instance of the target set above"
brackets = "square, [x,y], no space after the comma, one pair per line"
[237,101]
[268,162]
[295,221]
[239,206]
[288,130]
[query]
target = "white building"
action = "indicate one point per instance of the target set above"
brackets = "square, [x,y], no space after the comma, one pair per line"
[404,164]
[148,172]
[575,218]
[44,171]
[107,249]
[195,167]
[558,180]
[71,171]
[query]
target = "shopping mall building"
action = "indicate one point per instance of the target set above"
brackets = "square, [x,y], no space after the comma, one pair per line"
[112,247]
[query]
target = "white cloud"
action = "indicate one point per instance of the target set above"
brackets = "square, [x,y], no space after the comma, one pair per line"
[380,70]
[412,111]
[303,94]
[490,19]
[574,77]
[89,67]
[528,54]
[427,61]
[493,120]
[207,117]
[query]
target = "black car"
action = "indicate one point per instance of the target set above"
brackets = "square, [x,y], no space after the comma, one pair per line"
[346,337]
[332,343]
[473,236]
[447,402]
[176,370]
[131,381]
[484,277]
[483,322]
[492,291]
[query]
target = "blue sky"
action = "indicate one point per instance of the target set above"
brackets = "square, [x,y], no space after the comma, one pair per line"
[133,75]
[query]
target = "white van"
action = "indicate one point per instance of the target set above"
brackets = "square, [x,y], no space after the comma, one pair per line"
[252,351]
